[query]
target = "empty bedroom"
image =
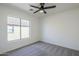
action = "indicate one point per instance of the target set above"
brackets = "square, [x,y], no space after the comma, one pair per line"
[39,29]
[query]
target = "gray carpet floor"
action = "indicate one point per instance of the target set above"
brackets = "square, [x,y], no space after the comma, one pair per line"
[42,49]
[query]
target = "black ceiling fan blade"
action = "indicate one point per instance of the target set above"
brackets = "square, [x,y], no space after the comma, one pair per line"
[44,11]
[34,6]
[49,7]
[37,11]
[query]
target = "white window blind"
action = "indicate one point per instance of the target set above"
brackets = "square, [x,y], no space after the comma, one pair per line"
[17,28]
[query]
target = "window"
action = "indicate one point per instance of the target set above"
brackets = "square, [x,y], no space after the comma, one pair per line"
[17,28]
[10,29]
[24,29]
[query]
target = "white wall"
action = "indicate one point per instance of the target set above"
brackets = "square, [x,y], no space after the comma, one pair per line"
[62,29]
[6,45]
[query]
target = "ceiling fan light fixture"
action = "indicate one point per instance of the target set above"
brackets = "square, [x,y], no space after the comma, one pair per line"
[41,11]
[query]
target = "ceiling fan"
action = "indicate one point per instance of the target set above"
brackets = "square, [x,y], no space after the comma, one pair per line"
[42,7]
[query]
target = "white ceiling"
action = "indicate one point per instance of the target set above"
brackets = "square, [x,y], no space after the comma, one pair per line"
[59,7]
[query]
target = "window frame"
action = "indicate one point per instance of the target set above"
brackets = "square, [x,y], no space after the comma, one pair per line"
[19,26]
